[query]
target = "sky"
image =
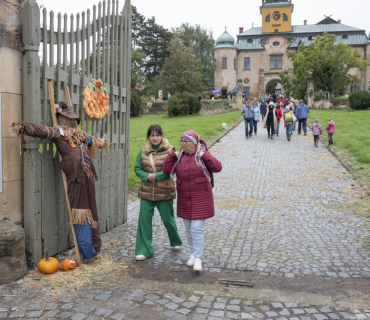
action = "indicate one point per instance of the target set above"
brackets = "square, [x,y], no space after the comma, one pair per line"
[217,14]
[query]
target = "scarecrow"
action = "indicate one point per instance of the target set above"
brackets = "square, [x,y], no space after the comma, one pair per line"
[77,150]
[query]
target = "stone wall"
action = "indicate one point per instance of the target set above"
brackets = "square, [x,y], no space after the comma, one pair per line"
[11,199]
[215,106]
[329,105]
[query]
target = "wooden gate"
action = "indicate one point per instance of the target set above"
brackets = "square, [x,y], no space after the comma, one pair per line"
[71,50]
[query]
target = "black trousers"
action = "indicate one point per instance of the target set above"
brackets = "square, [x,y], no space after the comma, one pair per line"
[270,129]
[316,139]
[302,123]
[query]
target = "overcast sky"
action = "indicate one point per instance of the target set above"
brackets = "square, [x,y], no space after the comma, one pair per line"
[216,14]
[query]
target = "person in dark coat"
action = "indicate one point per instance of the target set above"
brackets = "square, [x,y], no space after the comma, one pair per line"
[77,150]
[302,112]
[263,108]
[194,189]
[270,121]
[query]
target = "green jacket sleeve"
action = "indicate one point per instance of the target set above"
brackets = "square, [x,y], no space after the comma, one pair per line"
[161,176]
[140,173]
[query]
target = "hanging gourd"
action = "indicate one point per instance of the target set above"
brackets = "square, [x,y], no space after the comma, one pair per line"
[95,101]
[48,265]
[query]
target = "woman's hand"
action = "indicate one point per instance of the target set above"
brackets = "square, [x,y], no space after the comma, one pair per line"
[177,154]
[151,177]
[201,154]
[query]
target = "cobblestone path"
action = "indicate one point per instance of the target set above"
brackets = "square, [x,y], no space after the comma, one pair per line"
[284,210]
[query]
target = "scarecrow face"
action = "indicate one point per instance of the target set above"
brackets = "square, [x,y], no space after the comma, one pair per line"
[64,121]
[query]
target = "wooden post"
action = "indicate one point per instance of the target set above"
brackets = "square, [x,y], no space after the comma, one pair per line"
[32,113]
[55,124]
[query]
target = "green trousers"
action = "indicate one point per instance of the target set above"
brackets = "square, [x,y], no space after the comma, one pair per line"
[144,236]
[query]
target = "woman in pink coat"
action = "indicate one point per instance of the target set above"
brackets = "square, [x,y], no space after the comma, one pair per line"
[194,189]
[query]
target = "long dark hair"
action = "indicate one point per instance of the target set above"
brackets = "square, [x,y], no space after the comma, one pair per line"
[154,128]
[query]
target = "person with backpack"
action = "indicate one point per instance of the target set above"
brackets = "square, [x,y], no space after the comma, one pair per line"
[256,118]
[288,121]
[330,129]
[316,130]
[279,115]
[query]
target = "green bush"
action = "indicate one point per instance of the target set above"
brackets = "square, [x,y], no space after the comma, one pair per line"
[135,104]
[183,104]
[360,100]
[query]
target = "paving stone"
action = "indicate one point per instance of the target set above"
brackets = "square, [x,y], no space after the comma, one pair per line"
[35,314]
[305,318]
[183,311]
[264,308]
[138,293]
[217,313]
[281,318]
[51,306]
[171,306]
[250,309]
[208,298]
[180,317]
[285,313]
[218,305]
[149,302]
[151,297]
[291,305]
[65,315]
[102,297]
[3,315]
[194,299]
[360,316]
[232,315]
[85,309]
[162,301]
[188,304]
[199,317]
[66,299]
[235,301]
[103,312]
[169,313]
[354,310]
[346,316]
[205,304]
[66,306]
[118,316]
[246,316]
[34,307]
[178,300]
[201,310]
[233,308]
[319,316]
[51,314]
[222,300]
[325,309]
[257,315]
[311,310]
[277,305]
[78,316]
[333,316]
[298,311]
[271,314]
[170,296]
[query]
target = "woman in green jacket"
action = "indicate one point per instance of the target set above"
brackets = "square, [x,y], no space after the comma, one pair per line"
[156,190]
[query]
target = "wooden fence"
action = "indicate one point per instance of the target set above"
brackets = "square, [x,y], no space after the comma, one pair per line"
[72,50]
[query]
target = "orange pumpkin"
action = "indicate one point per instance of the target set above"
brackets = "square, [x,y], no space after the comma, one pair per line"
[69,264]
[48,265]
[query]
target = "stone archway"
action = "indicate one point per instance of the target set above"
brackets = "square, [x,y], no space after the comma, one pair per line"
[278,86]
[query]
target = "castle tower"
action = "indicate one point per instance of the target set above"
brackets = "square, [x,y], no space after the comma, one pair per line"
[225,59]
[276,16]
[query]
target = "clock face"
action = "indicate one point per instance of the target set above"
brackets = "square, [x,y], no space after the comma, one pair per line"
[276,15]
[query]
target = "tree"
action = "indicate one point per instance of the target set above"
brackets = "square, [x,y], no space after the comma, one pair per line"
[137,73]
[329,64]
[181,72]
[202,42]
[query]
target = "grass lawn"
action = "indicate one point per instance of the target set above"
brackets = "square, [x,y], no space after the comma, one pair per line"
[209,128]
[351,143]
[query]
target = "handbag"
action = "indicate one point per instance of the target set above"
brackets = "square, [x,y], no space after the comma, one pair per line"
[164,184]
[294,117]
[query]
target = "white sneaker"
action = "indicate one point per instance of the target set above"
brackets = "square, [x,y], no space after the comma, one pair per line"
[190,262]
[176,248]
[140,257]
[198,264]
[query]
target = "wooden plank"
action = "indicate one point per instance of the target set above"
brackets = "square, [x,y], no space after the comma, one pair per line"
[44,63]
[88,73]
[51,64]
[59,55]
[55,123]
[99,43]
[77,75]
[83,70]
[71,58]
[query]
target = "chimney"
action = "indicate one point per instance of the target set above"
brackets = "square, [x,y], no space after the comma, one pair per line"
[340,21]
[305,22]
[241,30]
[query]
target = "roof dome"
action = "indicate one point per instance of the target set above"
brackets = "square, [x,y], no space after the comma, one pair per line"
[225,40]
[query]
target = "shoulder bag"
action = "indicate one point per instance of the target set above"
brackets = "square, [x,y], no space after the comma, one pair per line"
[164,184]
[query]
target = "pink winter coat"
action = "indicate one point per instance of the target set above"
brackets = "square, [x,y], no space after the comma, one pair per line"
[194,191]
[330,127]
[316,129]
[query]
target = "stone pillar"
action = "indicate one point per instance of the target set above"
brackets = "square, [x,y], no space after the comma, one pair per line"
[310,92]
[13,263]
[11,90]
[261,83]
[239,95]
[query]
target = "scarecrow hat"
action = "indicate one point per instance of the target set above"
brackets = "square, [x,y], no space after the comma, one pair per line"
[67,111]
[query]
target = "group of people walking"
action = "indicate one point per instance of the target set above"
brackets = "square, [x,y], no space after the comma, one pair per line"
[156,164]
[290,111]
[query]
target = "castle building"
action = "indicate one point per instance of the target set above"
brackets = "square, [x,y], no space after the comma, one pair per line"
[260,54]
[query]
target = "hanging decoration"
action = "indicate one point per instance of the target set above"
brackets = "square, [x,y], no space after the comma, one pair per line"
[95,99]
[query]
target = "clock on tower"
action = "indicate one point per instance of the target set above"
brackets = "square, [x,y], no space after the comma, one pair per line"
[276,16]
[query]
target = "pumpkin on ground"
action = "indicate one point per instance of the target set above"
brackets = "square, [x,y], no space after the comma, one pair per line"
[48,265]
[69,264]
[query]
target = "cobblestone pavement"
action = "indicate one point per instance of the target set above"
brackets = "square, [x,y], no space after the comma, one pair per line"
[276,213]
[283,209]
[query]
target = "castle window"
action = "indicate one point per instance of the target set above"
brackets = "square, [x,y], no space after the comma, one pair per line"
[268,17]
[214,63]
[250,40]
[234,63]
[276,44]
[246,92]
[345,36]
[310,38]
[276,62]
[285,17]
[247,63]
[224,63]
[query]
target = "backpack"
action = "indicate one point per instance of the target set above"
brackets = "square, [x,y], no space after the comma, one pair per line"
[288,117]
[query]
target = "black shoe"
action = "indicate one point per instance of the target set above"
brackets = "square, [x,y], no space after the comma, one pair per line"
[277,135]
[272,138]
[269,136]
